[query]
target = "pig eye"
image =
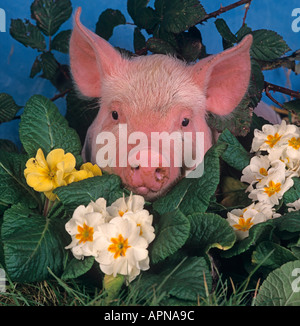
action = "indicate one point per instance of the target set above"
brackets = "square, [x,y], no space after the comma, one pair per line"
[115,115]
[185,122]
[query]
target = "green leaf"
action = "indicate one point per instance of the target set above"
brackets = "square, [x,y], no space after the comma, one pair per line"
[160,46]
[179,15]
[225,31]
[139,40]
[209,231]
[257,233]
[147,18]
[81,113]
[82,192]
[267,45]
[188,190]
[293,106]
[27,34]
[8,107]
[107,21]
[172,232]
[289,222]
[293,193]
[235,154]
[36,67]
[277,255]
[281,287]
[61,41]
[198,195]
[51,14]
[32,243]
[77,268]
[13,187]
[134,6]
[187,280]
[42,126]
[49,65]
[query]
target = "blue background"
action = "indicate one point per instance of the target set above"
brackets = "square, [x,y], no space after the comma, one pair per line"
[17,60]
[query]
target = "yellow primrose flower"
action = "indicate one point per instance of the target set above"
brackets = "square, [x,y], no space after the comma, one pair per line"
[87,170]
[46,174]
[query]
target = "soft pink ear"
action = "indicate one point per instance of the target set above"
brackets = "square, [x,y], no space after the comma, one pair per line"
[225,77]
[91,58]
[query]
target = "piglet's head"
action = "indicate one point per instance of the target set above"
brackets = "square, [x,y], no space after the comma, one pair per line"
[153,95]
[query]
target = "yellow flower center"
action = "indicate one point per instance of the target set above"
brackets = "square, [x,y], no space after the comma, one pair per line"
[272,140]
[121,213]
[263,172]
[273,188]
[119,246]
[295,142]
[244,225]
[85,233]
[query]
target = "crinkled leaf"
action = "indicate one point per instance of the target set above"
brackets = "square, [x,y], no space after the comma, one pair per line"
[209,231]
[51,14]
[225,31]
[36,67]
[49,65]
[193,195]
[42,126]
[276,255]
[77,267]
[179,15]
[61,41]
[172,232]
[107,21]
[82,192]
[257,233]
[267,45]
[293,193]
[160,46]
[235,154]
[187,279]
[13,187]
[32,243]
[27,34]
[281,287]
[8,107]
[139,40]
[134,6]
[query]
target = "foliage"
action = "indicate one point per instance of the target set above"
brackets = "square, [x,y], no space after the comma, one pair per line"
[192,235]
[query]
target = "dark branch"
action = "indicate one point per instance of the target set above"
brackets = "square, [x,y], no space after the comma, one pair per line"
[224,9]
[283,90]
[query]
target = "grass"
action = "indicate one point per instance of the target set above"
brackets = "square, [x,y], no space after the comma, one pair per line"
[57,292]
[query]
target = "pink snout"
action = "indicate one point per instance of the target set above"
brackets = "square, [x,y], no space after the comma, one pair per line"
[147,180]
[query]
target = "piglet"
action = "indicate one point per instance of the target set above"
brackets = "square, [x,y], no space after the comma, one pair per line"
[155,95]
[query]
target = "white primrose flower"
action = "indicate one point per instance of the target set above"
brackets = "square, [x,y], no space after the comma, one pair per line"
[144,221]
[272,137]
[121,249]
[82,227]
[133,203]
[295,206]
[243,219]
[271,188]
[256,170]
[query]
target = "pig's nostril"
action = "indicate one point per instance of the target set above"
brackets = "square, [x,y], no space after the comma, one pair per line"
[160,174]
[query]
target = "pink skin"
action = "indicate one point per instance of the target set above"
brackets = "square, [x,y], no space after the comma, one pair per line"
[154,94]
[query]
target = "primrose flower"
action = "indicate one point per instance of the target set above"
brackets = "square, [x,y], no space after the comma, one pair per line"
[271,188]
[46,174]
[243,219]
[273,137]
[56,170]
[295,206]
[121,249]
[121,206]
[256,170]
[83,227]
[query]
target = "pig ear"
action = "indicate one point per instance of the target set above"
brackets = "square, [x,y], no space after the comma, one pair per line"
[91,58]
[225,77]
